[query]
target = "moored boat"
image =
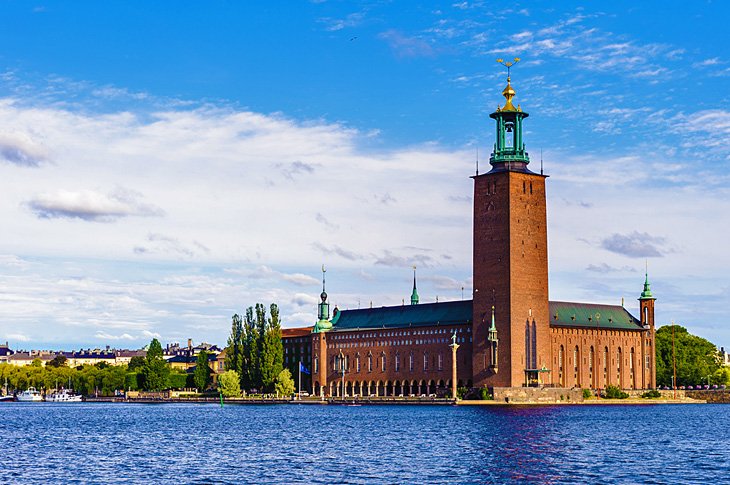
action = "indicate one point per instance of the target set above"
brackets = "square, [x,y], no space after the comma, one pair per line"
[30,395]
[64,395]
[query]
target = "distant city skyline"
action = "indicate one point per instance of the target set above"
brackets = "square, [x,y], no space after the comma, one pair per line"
[162,170]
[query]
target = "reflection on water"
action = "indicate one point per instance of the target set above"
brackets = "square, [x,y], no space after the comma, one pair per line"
[334,444]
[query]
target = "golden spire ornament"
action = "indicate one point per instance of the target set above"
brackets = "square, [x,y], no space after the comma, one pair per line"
[508,92]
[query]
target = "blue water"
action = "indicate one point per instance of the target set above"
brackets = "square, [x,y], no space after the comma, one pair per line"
[164,443]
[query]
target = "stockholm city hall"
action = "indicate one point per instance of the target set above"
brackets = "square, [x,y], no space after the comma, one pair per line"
[510,335]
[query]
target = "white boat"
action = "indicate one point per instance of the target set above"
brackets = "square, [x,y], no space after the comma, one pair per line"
[64,395]
[30,395]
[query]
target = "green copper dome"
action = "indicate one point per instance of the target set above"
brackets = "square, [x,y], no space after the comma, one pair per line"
[646,294]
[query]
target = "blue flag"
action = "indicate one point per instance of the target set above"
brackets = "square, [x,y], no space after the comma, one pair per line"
[303,369]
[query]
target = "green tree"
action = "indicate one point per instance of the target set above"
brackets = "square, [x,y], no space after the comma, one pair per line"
[272,350]
[696,358]
[229,384]
[235,348]
[250,373]
[135,363]
[284,385]
[37,362]
[58,361]
[155,370]
[202,371]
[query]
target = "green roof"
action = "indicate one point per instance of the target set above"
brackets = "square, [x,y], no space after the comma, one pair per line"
[569,314]
[446,313]
[592,315]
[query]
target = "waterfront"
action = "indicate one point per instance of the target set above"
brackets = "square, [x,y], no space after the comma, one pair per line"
[95,443]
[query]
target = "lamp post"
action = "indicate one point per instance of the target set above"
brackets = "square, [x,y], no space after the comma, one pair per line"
[454,347]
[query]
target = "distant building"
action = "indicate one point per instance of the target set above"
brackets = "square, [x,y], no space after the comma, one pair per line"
[724,357]
[5,352]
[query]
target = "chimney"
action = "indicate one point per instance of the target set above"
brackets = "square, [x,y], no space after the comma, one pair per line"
[190,343]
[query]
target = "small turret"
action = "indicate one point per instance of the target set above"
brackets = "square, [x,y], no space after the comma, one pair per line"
[323,314]
[414,294]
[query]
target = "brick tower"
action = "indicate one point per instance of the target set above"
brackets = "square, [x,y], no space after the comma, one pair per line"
[646,306]
[510,262]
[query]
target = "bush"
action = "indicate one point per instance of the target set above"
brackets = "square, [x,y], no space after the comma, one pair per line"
[587,393]
[651,394]
[461,392]
[614,392]
[484,394]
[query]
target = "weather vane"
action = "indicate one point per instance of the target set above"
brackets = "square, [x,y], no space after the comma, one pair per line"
[508,64]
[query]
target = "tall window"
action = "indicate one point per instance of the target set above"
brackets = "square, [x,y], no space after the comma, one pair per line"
[316,364]
[397,362]
[357,363]
[370,362]
[410,362]
[441,362]
[382,361]
[425,361]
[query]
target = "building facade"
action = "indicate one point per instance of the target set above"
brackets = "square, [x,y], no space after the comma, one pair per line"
[510,334]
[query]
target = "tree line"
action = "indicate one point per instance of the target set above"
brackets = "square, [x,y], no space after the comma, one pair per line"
[255,351]
[150,373]
[697,359]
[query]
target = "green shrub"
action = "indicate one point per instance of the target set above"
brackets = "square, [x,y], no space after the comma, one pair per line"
[461,392]
[651,394]
[484,394]
[614,392]
[587,393]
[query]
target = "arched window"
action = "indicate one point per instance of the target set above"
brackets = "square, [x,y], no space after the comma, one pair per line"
[370,362]
[382,362]
[605,366]
[425,361]
[357,363]
[316,364]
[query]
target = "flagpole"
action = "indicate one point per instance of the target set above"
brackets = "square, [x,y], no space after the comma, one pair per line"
[299,394]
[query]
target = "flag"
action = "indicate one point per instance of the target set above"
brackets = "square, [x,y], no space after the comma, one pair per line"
[303,369]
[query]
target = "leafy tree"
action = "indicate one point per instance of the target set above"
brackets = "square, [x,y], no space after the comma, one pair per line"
[229,383]
[696,357]
[102,365]
[58,361]
[235,347]
[202,371]
[284,385]
[272,350]
[135,363]
[155,370]
[37,362]
[251,370]
[721,376]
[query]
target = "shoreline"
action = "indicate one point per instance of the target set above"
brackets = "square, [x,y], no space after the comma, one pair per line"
[398,402]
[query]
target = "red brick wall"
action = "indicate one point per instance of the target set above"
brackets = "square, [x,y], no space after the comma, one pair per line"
[431,341]
[584,338]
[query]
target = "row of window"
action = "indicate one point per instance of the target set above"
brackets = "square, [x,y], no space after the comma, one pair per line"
[401,333]
[340,362]
[391,343]
[301,350]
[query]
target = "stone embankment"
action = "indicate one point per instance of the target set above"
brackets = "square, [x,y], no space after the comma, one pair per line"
[714,396]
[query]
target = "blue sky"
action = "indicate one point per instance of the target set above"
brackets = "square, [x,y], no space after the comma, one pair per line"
[164,166]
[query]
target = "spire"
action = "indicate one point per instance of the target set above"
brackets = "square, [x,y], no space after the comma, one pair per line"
[492,328]
[646,294]
[509,149]
[414,294]
[323,314]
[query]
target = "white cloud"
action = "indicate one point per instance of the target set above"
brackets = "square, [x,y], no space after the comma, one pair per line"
[90,205]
